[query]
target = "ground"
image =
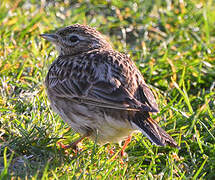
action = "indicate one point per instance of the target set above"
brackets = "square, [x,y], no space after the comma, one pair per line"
[171,42]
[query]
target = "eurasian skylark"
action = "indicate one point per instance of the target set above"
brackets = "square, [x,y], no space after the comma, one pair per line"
[98,91]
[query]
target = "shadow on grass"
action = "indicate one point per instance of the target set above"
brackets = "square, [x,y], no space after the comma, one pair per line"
[30,154]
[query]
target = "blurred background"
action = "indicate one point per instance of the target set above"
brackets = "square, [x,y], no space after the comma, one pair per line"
[171,42]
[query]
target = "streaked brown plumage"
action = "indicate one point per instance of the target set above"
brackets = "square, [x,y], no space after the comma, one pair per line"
[98,91]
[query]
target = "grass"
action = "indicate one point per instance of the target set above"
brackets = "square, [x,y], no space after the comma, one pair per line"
[173,46]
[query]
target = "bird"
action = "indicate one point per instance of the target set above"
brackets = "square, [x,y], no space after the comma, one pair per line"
[98,91]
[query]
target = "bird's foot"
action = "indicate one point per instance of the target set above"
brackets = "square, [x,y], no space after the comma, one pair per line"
[127,141]
[73,145]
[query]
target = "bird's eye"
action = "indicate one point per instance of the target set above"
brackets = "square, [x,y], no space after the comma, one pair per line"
[73,39]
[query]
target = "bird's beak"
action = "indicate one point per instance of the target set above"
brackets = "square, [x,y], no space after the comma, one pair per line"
[50,37]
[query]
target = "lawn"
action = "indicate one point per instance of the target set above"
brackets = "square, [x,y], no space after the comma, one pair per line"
[173,45]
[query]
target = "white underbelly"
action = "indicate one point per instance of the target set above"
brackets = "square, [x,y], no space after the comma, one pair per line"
[105,128]
[113,131]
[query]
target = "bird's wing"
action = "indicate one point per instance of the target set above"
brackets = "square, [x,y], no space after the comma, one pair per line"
[144,95]
[95,80]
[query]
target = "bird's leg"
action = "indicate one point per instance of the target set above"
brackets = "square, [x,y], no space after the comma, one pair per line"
[73,145]
[127,141]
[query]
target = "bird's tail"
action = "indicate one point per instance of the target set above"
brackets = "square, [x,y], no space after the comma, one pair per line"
[150,129]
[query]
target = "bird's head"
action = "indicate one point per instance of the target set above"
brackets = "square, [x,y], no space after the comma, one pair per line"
[76,39]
